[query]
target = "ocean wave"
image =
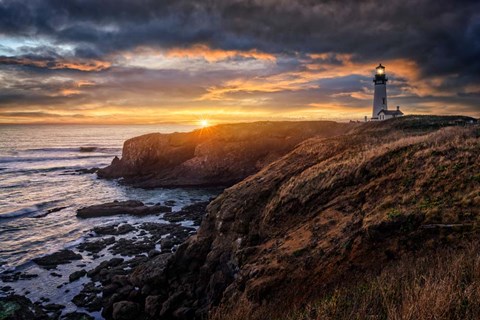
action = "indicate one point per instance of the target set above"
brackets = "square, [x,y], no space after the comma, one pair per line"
[77,149]
[19,212]
[65,169]
[44,170]
[13,186]
[43,159]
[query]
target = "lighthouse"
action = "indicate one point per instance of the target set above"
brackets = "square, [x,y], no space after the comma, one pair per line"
[380,108]
[380,92]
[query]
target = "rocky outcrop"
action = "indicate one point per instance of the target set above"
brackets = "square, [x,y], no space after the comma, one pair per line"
[329,209]
[215,156]
[60,257]
[132,207]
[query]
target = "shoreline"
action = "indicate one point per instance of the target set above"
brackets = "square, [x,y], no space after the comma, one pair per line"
[118,247]
[298,219]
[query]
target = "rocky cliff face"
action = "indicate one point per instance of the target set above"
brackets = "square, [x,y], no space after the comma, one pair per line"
[328,209]
[219,155]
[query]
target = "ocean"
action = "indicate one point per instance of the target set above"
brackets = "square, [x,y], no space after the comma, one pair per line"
[38,175]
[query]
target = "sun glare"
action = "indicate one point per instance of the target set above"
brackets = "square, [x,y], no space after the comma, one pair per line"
[204,123]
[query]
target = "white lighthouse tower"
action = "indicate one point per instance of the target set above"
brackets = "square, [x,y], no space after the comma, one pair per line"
[380,108]
[380,95]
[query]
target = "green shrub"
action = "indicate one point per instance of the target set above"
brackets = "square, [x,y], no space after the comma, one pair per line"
[393,213]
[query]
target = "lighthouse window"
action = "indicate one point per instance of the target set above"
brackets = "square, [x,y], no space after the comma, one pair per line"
[383,100]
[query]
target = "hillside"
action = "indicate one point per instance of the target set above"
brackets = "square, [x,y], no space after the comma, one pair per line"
[214,156]
[330,210]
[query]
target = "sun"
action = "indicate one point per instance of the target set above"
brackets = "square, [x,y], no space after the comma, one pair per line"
[204,123]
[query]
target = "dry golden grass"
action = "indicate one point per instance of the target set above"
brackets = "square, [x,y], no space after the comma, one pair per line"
[444,285]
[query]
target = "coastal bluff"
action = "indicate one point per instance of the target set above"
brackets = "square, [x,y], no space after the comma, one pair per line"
[220,155]
[319,217]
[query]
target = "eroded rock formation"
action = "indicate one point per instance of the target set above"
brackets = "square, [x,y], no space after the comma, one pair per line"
[215,156]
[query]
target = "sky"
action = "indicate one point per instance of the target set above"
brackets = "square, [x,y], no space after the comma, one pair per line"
[181,61]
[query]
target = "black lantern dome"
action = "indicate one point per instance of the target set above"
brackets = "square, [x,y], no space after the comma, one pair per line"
[380,77]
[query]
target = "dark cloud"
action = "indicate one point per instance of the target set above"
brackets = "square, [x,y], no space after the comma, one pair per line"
[441,35]
[53,63]
[72,53]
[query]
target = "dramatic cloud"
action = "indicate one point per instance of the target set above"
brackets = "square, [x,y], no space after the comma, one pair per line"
[51,63]
[235,59]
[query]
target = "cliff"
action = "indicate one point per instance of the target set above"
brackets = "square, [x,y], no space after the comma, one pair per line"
[214,156]
[328,210]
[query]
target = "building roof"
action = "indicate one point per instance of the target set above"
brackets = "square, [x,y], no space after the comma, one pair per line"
[391,112]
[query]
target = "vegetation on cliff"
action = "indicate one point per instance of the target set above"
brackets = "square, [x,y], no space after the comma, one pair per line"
[337,206]
[444,284]
[329,213]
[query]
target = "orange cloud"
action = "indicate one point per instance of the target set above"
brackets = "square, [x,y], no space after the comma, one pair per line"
[417,84]
[181,58]
[214,55]
[82,65]
[69,92]
[89,65]
[84,83]
[287,81]
[348,66]
[237,97]
[317,67]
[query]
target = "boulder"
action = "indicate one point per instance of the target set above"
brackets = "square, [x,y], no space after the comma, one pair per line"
[132,207]
[60,257]
[114,229]
[77,275]
[125,310]
[193,212]
[96,246]
[153,305]
[89,298]
[53,307]
[77,316]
